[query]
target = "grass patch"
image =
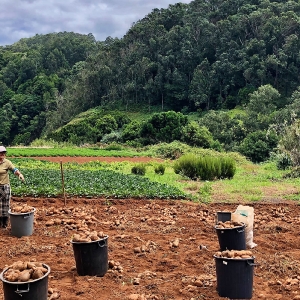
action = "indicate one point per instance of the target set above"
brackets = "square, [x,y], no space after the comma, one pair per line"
[257,182]
[73,151]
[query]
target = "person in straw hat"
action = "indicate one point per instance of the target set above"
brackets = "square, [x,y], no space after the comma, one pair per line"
[5,191]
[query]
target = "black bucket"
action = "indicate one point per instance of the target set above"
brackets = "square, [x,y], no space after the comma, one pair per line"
[234,277]
[32,290]
[232,238]
[223,216]
[21,223]
[91,258]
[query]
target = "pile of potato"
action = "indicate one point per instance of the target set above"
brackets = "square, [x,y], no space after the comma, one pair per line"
[88,236]
[72,218]
[229,224]
[21,271]
[236,254]
[20,208]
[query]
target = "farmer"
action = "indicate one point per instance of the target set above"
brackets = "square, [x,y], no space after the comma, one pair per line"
[5,192]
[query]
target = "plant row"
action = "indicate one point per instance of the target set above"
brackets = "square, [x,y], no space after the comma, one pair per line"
[84,183]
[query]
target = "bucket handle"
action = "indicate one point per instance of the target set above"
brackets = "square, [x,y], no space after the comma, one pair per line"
[26,217]
[252,264]
[22,291]
[240,231]
[102,243]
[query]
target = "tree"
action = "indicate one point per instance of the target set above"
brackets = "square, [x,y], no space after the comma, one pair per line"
[164,127]
[261,106]
[131,131]
[195,135]
[258,145]
[201,85]
[106,124]
[290,143]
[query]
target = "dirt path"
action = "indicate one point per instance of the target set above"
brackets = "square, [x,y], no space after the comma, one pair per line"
[147,263]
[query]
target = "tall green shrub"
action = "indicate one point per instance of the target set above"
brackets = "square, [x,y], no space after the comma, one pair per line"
[228,167]
[205,168]
[139,169]
[186,165]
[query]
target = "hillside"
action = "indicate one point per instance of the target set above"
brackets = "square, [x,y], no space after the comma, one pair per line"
[206,57]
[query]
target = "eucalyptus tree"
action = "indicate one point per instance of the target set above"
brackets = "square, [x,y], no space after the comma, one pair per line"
[261,107]
[200,89]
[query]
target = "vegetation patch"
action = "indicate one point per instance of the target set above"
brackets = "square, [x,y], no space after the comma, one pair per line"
[102,183]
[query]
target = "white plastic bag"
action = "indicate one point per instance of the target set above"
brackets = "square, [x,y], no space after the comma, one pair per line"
[245,214]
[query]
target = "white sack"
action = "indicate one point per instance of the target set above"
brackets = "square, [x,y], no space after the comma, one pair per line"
[245,214]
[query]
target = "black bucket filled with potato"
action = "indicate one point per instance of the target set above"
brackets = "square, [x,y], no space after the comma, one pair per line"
[234,270]
[21,220]
[231,235]
[26,283]
[91,256]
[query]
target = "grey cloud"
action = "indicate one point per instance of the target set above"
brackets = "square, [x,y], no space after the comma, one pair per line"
[103,18]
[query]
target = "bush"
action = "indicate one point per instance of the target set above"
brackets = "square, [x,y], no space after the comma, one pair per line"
[77,133]
[258,145]
[290,143]
[163,127]
[106,125]
[131,131]
[160,169]
[171,151]
[195,135]
[205,168]
[187,166]
[295,173]
[114,136]
[283,161]
[114,147]
[139,169]
[228,167]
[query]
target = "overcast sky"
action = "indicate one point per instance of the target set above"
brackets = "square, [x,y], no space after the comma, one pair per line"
[103,18]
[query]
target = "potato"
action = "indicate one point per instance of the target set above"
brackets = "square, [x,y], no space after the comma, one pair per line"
[37,273]
[43,269]
[231,254]
[25,275]
[94,237]
[76,238]
[57,221]
[85,240]
[246,256]
[30,265]
[12,275]
[54,296]
[49,223]
[243,252]
[19,265]
[39,265]
[16,209]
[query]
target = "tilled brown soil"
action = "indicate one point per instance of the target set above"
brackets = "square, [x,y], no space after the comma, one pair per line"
[157,249]
[145,261]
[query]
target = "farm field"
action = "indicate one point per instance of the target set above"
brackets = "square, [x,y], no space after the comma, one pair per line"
[141,246]
[157,249]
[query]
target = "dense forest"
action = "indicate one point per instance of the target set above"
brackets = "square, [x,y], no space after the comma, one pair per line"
[233,64]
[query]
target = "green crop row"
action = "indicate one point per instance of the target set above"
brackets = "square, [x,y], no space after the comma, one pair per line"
[96,183]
